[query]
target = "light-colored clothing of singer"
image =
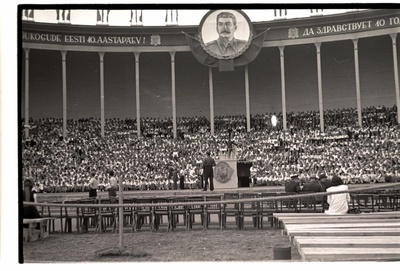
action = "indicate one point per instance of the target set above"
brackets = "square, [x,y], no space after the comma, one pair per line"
[338,203]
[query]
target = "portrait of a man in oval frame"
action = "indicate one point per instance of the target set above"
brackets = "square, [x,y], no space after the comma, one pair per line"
[225,34]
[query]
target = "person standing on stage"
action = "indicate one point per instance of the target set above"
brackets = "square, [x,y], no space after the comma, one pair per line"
[175,178]
[201,177]
[208,164]
[229,146]
[93,186]
[112,190]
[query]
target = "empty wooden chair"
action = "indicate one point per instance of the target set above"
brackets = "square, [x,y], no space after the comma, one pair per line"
[87,215]
[214,209]
[161,211]
[231,210]
[53,214]
[267,208]
[288,205]
[365,202]
[107,216]
[71,214]
[178,211]
[195,210]
[387,202]
[142,213]
[249,209]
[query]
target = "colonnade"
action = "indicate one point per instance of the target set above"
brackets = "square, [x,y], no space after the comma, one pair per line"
[211,87]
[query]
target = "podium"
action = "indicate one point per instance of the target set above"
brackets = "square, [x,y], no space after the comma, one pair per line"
[225,173]
[231,173]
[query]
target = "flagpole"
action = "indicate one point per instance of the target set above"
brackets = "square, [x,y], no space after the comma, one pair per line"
[26,92]
[121,213]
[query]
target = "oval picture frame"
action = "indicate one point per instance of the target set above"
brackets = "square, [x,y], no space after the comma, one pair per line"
[208,33]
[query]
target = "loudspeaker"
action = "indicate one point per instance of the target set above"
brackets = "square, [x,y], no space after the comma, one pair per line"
[243,169]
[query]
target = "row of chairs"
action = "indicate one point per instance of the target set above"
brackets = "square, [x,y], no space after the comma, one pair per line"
[225,212]
[385,201]
[83,218]
[103,218]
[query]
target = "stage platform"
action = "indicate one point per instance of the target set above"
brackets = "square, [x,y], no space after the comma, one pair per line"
[58,197]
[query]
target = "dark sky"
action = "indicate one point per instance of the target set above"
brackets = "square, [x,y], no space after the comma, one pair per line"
[192,87]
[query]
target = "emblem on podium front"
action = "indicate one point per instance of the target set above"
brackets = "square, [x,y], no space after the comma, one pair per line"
[223,172]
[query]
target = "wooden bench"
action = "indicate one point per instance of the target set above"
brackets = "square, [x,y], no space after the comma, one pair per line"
[338,226]
[335,220]
[31,234]
[351,254]
[360,237]
[345,241]
[280,218]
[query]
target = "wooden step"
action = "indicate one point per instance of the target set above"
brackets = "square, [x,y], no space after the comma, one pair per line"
[335,221]
[324,215]
[345,232]
[361,237]
[356,241]
[280,218]
[290,227]
[349,254]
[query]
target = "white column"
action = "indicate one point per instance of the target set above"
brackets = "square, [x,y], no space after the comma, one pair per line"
[102,121]
[137,54]
[396,75]
[173,93]
[26,93]
[282,57]
[64,90]
[357,72]
[211,88]
[320,99]
[246,83]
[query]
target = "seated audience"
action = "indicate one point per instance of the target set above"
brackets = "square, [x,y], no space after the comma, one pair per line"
[368,154]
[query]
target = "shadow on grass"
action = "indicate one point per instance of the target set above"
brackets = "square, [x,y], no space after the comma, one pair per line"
[117,252]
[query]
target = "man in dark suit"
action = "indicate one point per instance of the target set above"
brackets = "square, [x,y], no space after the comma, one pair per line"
[312,185]
[175,178]
[229,146]
[226,44]
[208,164]
[325,182]
[293,185]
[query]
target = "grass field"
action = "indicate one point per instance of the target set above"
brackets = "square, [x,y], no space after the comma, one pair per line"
[212,245]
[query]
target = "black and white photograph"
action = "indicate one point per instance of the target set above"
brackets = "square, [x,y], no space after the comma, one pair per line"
[225,33]
[170,135]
